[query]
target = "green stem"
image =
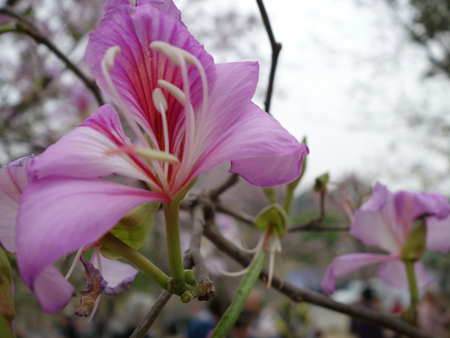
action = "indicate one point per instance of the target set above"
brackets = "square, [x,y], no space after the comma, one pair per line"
[414,291]
[288,199]
[246,286]
[114,244]
[171,213]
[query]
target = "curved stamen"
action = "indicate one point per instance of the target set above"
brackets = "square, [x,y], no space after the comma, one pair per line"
[161,106]
[246,249]
[257,251]
[174,90]
[149,154]
[271,264]
[107,64]
[72,267]
[97,301]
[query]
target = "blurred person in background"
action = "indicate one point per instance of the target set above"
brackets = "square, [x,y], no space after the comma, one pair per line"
[362,329]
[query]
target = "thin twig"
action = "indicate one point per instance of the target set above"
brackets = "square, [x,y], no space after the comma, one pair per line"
[276,48]
[298,295]
[319,227]
[32,31]
[207,290]
[151,316]
[232,180]
[243,217]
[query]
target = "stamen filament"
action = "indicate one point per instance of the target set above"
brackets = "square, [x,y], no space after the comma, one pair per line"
[176,92]
[107,65]
[146,153]
[271,267]
[75,261]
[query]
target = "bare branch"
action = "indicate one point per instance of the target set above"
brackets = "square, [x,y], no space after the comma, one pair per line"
[207,290]
[151,316]
[232,180]
[31,30]
[299,295]
[313,226]
[276,48]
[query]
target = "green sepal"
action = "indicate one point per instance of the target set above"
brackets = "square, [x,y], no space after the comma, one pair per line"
[270,193]
[321,183]
[5,328]
[134,228]
[248,282]
[273,217]
[415,244]
[179,196]
[7,310]
[291,186]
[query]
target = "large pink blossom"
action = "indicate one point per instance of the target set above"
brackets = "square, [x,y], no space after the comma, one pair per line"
[385,221]
[195,114]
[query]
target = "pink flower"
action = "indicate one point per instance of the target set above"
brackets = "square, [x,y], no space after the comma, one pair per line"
[385,221]
[195,114]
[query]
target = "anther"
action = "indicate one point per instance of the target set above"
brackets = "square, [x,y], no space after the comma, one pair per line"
[171,52]
[159,101]
[110,55]
[174,90]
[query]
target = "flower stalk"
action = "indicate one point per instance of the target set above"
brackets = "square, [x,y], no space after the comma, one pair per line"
[171,213]
[114,244]
[410,314]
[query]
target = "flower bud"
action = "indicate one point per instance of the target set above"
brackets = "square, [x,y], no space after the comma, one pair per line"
[415,244]
[321,183]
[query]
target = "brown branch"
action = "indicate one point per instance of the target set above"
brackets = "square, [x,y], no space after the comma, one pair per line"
[299,295]
[276,48]
[207,290]
[151,316]
[232,180]
[243,217]
[31,30]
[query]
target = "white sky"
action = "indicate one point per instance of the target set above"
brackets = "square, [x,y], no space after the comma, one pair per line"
[345,71]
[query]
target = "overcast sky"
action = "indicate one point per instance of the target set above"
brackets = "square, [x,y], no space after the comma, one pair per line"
[346,77]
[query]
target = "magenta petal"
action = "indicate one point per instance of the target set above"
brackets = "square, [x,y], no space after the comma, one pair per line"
[52,290]
[166,6]
[83,151]
[438,234]
[58,215]
[259,148]
[118,275]
[394,274]
[138,68]
[14,179]
[375,222]
[343,265]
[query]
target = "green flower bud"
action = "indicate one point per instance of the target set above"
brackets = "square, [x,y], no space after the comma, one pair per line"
[321,183]
[415,244]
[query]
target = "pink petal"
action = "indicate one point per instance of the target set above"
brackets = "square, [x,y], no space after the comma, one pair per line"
[375,222]
[259,148]
[138,68]
[58,215]
[83,151]
[52,290]
[343,265]
[438,234]
[118,275]
[394,274]
[166,6]
[14,179]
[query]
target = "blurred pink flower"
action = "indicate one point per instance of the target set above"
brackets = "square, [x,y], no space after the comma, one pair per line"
[385,221]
